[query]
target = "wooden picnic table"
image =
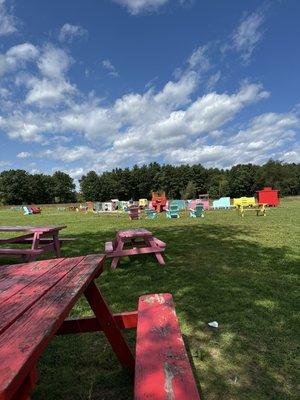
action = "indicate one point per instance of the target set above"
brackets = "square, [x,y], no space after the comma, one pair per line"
[133,242]
[41,239]
[35,301]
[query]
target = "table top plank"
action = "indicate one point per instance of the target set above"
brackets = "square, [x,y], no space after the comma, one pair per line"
[23,342]
[133,233]
[16,277]
[20,228]
[15,305]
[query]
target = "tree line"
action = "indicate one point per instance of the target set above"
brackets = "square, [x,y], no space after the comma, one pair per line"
[188,181]
[183,181]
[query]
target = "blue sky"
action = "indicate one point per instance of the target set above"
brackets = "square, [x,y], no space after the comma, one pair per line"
[93,85]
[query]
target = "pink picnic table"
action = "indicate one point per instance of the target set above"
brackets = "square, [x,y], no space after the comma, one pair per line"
[133,242]
[42,239]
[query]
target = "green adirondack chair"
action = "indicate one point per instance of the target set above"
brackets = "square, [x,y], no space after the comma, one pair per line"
[150,214]
[197,212]
[173,212]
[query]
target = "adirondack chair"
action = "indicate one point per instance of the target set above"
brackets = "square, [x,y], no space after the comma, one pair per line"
[173,212]
[223,202]
[26,210]
[197,212]
[150,214]
[134,212]
[35,210]
[181,204]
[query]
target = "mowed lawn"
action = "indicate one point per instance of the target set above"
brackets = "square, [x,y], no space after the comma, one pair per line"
[240,272]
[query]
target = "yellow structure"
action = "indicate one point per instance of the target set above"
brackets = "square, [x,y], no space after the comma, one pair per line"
[244,201]
[143,203]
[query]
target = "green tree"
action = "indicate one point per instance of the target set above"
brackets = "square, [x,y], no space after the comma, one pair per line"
[90,186]
[63,187]
[190,191]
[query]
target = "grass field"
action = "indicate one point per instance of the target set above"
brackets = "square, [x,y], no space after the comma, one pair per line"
[240,272]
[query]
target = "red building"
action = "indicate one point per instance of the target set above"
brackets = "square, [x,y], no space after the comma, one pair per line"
[268,196]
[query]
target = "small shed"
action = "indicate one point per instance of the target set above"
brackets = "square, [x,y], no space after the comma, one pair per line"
[268,196]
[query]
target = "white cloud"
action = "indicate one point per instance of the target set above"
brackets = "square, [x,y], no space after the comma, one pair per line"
[45,92]
[54,62]
[23,154]
[107,64]
[52,87]
[173,123]
[140,6]
[264,138]
[17,57]
[199,59]
[212,81]
[247,35]
[8,23]
[68,32]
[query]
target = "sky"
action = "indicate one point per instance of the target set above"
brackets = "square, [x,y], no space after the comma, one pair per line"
[95,85]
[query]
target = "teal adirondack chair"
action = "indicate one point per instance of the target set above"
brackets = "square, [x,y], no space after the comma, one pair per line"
[150,214]
[26,210]
[173,212]
[197,212]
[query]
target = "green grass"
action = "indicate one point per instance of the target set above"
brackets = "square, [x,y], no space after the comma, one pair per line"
[240,272]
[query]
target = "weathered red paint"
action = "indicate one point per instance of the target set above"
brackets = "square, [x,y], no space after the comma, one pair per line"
[162,371]
[133,242]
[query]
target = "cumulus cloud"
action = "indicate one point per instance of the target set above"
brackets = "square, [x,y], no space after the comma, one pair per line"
[17,57]
[51,87]
[247,35]
[175,122]
[8,22]
[69,32]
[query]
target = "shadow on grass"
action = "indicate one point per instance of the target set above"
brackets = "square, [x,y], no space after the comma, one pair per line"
[214,273]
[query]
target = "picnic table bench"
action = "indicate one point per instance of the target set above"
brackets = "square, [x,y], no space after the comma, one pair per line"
[42,239]
[259,208]
[133,242]
[35,301]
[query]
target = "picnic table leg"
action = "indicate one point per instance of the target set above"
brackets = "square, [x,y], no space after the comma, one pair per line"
[119,247]
[56,244]
[34,246]
[28,385]
[151,242]
[110,328]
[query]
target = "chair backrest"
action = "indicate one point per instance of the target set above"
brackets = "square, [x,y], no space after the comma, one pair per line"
[199,209]
[174,208]
[133,212]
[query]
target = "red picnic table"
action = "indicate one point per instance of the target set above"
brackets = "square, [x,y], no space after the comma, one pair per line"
[132,242]
[35,300]
[42,239]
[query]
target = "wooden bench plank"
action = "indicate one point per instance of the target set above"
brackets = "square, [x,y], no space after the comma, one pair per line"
[24,341]
[17,304]
[43,240]
[135,251]
[162,368]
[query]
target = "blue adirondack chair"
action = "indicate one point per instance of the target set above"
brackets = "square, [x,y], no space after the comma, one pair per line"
[173,212]
[197,212]
[26,210]
[150,214]
[223,202]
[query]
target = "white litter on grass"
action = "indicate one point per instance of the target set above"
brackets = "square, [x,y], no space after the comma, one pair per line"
[213,324]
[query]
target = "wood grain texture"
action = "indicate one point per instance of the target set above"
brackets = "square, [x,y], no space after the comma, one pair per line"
[23,342]
[163,371]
